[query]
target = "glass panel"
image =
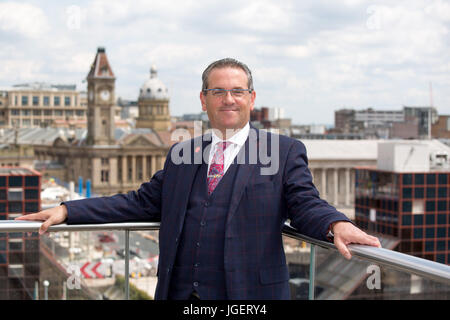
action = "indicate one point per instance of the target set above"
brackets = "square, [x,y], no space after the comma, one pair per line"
[74,265]
[298,261]
[359,278]
[144,253]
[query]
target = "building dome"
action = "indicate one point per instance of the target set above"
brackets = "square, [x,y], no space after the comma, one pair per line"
[153,88]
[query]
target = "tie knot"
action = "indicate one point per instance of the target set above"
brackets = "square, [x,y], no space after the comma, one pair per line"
[223,145]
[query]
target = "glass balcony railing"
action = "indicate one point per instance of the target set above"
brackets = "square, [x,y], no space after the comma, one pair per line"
[77,262]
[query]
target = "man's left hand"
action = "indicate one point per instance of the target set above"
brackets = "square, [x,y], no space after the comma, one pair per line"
[346,233]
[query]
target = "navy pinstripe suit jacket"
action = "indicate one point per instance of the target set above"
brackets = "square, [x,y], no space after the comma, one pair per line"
[254,260]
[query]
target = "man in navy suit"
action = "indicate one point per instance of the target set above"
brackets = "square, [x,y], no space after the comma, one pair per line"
[222,200]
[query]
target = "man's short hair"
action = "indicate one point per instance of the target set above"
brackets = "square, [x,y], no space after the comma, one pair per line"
[223,63]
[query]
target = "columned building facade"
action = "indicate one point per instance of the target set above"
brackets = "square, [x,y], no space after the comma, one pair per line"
[332,164]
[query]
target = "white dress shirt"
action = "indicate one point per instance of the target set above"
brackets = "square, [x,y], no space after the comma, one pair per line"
[236,143]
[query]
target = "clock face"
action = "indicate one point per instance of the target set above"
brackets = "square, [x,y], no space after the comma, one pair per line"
[104,95]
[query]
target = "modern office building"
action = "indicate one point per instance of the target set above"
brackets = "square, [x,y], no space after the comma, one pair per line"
[408,123]
[19,251]
[407,196]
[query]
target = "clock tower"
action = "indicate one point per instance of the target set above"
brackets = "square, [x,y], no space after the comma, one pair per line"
[100,87]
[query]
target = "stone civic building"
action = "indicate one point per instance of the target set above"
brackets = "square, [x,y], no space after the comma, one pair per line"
[115,160]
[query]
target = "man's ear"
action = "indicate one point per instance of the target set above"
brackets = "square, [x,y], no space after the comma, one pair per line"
[202,100]
[252,101]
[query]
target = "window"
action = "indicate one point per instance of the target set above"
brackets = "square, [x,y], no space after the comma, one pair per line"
[442,178]
[407,179]
[15,270]
[15,244]
[419,178]
[419,193]
[406,220]
[431,206]
[36,112]
[15,181]
[105,161]
[430,218]
[406,206]
[24,100]
[429,246]
[31,181]
[67,101]
[15,112]
[15,194]
[407,193]
[35,100]
[56,101]
[418,233]
[418,220]
[15,207]
[105,175]
[31,207]
[442,219]
[58,113]
[46,101]
[31,194]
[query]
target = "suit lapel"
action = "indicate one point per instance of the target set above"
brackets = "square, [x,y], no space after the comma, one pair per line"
[187,175]
[244,172]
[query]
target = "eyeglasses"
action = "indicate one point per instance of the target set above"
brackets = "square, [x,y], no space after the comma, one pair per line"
[220,93]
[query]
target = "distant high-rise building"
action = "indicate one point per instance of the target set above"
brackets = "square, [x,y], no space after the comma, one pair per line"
[427,116]
[19,252]
[409,123]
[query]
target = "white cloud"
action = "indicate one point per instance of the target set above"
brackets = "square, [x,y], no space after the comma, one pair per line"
[263,16]
[309,57]
[23,19]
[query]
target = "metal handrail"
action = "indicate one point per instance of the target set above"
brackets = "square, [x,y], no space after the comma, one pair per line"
[397,260]
[422,267]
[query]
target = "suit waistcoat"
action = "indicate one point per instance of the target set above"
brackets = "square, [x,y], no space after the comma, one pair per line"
[199,263]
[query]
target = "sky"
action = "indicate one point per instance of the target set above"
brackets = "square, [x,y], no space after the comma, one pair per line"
[308,57]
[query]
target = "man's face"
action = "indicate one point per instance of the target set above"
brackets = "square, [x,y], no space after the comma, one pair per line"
[228,112]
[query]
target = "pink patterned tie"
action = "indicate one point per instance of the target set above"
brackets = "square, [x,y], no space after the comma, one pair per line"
[216,167]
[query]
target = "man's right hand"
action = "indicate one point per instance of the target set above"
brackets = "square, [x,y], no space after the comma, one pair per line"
[51,216]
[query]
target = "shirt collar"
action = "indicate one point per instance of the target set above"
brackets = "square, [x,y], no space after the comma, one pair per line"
[239,138]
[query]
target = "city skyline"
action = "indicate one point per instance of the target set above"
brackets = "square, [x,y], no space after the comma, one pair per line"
[311,58]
